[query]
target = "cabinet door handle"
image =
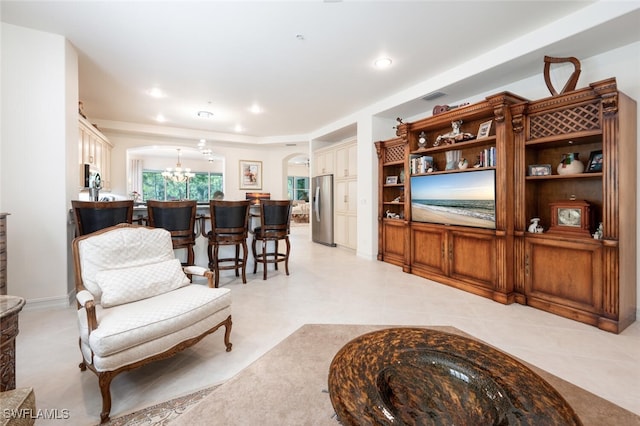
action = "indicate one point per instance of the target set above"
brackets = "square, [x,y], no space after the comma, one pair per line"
[526,265]
[443,251]
[346,172]
[346,198]
[451,253]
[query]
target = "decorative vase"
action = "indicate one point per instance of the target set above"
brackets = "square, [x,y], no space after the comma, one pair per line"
[570,164]
[453,158]
[402,176]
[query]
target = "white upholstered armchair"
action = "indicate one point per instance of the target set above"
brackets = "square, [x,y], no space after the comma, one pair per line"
[135,303]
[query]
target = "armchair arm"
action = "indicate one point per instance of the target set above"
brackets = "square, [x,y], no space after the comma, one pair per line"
[200,271]
[85,299]
[195,270]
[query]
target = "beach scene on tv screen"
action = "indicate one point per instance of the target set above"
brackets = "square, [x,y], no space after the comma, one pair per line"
[466,199]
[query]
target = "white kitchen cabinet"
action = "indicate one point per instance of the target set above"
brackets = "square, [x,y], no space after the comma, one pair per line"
[94,149]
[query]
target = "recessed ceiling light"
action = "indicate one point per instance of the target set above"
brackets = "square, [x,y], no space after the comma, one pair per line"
[238,128]
[382,63]
[205,114]
[255,108]
[160,118]
[202,143]
[156,93]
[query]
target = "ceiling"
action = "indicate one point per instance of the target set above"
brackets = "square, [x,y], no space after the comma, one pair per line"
[306,64]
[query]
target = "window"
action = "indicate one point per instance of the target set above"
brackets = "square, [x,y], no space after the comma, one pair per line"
[201,187]
[298,188]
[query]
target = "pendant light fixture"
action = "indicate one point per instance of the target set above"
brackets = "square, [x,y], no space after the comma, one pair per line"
[178,174]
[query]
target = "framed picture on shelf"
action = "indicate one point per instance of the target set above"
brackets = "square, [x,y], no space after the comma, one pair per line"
[391,180]
[484,129]
[250,174]
[595,162]
[539,169]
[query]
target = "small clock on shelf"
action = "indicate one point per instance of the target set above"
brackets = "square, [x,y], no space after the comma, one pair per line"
[422,140]
[571,216]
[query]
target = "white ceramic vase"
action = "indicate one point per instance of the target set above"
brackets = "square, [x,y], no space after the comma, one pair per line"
[570,164]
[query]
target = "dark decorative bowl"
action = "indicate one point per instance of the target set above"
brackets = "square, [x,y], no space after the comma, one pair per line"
[415,376]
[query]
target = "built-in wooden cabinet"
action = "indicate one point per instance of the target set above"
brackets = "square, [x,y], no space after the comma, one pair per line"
[564,270]
[94,149]
[458,144]
[392,201]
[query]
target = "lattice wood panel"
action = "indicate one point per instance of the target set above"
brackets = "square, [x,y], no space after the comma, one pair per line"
[394,153]
[570,120]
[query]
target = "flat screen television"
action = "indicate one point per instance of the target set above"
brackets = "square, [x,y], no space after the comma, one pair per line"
[466,198]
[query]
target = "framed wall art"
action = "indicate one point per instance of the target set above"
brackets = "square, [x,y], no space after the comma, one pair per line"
[539,169]
[484,129]
[250,174]
[595,162]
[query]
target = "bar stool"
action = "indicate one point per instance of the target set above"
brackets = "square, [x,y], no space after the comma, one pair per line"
[91,216]
[229,227]
[179,218]
[275,219]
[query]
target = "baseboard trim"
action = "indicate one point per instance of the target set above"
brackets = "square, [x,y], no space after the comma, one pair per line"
[58,302]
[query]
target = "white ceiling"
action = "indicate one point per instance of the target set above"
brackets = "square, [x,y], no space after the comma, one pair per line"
[306,63]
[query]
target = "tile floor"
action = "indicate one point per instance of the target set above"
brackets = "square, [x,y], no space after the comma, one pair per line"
[326,285]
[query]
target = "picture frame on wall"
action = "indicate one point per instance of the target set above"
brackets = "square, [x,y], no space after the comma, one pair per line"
[539,169]
[595,162]
[484,129]
[250,174]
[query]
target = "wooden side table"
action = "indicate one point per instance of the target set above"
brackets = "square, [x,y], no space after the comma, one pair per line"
[10,307]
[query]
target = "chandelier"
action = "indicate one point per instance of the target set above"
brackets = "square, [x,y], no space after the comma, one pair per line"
[178,174]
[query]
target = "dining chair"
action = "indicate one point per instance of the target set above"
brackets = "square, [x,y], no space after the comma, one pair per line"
[91,216]
[179,218]
[229,227]
[275,219]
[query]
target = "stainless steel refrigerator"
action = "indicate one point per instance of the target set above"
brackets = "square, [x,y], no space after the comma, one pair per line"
[322,210]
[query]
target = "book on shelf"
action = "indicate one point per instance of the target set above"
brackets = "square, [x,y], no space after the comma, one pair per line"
[487,157]
[420,163]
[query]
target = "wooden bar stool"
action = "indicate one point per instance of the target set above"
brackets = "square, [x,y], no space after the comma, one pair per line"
[179,218]
[275,219]
[91,216]
[229,227]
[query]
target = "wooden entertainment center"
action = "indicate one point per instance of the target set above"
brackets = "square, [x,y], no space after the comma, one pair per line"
[565,269]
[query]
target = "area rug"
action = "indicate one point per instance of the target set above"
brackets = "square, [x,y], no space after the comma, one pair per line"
[288,386]
[160,414]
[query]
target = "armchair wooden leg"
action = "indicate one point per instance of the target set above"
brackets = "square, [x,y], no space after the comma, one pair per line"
[104,379]
[227,333]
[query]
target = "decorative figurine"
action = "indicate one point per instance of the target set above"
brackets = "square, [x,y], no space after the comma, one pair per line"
[535,226]
[599,232]
[454,136]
